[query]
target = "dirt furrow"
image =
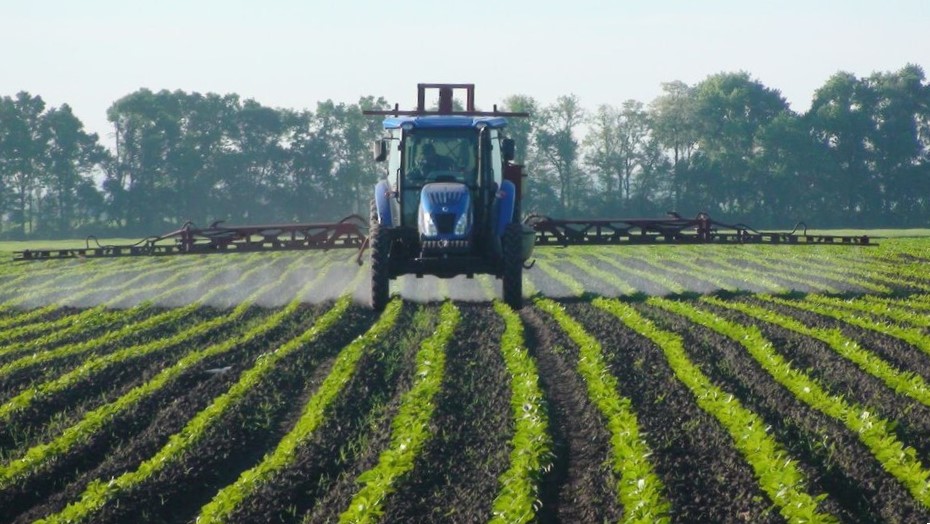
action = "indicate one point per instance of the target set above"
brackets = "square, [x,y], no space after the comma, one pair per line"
[833,459]
[455,477]
[581,486]
[135,435]
[706,477]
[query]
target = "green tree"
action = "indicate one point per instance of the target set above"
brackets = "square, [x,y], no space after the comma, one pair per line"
[23,148]
[841,121]
[521,129]
[203,155]
[675,127]
[138,182]
[730,110]
[558,150]
[343,127]
[901,111]
[259,164]
[310,173]
[794,162]
[539,195]
[616,152]
[71,157]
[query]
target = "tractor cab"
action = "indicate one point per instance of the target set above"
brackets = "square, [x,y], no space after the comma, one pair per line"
[449,195]
[444,174]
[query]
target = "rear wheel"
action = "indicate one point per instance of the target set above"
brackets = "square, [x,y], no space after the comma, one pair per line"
[511,247]
[380,246]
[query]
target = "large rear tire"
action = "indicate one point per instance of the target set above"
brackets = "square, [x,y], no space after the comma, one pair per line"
[380,245]
[512,277]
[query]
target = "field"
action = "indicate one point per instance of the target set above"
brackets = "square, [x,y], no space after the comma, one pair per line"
[639,383]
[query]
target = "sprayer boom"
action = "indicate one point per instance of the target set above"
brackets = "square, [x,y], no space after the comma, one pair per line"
[350,232]
[673,230]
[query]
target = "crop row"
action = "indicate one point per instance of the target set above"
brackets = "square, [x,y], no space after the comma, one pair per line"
[98,493]
[764,407]
[675,270]
[896,457]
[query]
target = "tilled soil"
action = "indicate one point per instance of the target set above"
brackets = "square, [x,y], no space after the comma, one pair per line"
[705,477]
[456,476]
[137,435]
[581,486]
[842,377]
[835,461]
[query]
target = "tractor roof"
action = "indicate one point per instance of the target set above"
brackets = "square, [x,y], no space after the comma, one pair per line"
[444,121]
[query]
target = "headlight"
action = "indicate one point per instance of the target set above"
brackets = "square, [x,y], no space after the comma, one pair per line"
[462,224]
[427,226]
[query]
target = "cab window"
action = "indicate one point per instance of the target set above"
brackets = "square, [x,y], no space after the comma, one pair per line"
[441,155]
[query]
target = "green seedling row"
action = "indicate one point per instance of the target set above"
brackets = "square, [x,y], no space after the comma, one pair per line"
[531,445]
[903,382]
[893,311]
[100,492]
[874,431]
[93,421]
[410,429]
[912,336]
[775,470]
[639,489]
[96,364]
[314,413]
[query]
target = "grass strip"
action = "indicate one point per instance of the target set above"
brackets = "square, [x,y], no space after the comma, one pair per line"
[639,489]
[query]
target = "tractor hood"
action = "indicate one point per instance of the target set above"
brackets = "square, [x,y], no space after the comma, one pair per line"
[444,212]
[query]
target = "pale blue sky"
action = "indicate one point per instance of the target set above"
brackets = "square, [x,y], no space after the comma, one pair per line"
[290,53]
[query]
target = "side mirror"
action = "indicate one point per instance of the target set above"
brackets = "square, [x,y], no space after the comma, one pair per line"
[379,150]
[507,149]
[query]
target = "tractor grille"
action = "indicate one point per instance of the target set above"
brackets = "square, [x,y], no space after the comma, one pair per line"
[447,246]
[447,197]
[445,222]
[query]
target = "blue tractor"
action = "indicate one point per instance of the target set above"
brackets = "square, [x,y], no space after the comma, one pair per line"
[449,203]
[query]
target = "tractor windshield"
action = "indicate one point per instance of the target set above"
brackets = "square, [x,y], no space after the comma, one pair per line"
[441,155]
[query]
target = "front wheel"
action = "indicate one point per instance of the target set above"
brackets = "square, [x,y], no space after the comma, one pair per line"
[380,245]
[512,274]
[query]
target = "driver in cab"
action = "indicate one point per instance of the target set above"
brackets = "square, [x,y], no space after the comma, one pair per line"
[431,161]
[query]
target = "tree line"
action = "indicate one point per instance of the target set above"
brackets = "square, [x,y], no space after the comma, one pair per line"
[729,146]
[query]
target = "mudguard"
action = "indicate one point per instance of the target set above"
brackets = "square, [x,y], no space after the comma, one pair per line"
[383,203]
[506,196]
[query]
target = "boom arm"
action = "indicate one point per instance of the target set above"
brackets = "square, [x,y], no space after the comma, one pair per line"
[673,230]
